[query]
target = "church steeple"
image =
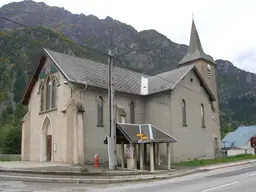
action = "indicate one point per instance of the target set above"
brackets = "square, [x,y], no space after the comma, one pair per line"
[195,50]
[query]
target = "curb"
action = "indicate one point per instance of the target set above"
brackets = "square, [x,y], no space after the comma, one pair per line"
[143,176]
[71,173]
[95,181]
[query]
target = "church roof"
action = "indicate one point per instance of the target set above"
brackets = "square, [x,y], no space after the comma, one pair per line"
[195,50]
[85,71]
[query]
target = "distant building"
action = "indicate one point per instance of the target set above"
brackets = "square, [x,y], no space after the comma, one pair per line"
[67,118]
[241,141]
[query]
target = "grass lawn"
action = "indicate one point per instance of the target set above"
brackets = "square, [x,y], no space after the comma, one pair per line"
[201,162]
[10,157]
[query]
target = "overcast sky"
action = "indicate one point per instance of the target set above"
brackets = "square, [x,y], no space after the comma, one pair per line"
[227,28]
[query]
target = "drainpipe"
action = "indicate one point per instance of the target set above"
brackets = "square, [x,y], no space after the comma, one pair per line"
[75,82]
[71,90]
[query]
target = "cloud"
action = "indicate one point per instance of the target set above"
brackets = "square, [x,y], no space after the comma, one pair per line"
[226,28]
[247,60]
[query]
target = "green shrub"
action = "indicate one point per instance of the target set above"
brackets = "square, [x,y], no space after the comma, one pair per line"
[201,162]
[12,141]
[10,158]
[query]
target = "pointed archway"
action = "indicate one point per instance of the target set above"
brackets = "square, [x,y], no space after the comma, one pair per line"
[46,140]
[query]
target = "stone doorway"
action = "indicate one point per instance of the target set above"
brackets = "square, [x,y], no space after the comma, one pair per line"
[47,140]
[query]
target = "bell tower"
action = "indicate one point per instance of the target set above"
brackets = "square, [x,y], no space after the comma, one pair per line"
[206,66]
[204,63]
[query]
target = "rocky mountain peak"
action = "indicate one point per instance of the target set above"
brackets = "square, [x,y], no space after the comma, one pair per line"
[26,5]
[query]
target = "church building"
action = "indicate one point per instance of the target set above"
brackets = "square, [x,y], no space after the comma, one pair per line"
[68,115]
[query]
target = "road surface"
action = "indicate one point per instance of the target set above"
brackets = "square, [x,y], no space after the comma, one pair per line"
[233,179]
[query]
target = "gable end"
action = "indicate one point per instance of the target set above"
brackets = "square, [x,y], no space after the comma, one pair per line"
[40,64]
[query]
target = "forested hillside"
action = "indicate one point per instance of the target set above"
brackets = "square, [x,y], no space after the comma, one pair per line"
[20,50]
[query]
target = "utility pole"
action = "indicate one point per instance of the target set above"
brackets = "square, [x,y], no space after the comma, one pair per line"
[112,126]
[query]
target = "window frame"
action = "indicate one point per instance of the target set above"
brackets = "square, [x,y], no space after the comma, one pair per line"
[54,94]
[132,112]
[202,115]
[184,112]
[48,94]
[42,98]
[100,112]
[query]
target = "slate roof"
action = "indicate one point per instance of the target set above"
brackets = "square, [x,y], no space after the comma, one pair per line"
[85,71]
[96,74]
[240,137]
[128,132]
[167,80]
[195,50]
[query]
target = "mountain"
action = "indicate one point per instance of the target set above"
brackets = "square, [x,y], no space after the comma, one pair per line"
[147,51]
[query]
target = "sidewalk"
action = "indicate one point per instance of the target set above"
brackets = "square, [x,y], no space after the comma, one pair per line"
[48,168]
[63,173]
[92,179]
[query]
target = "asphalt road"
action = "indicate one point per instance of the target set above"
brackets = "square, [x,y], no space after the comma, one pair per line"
[234,179]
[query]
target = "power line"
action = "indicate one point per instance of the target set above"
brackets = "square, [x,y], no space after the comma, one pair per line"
[95,50]
[103,82]
[71,42]
[117,57]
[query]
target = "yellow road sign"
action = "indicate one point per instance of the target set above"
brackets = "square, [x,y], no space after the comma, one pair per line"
[144,138]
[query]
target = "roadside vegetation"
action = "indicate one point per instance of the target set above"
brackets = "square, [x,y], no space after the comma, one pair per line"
[202,162]
[10,158]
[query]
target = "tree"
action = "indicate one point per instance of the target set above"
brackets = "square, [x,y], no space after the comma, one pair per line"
[19,85]
[10,129]
[5,78]
[12,141]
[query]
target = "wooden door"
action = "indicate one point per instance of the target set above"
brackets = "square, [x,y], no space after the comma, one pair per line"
[49,147]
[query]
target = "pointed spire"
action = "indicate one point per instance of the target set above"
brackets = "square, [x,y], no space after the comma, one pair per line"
[195,43]
[195,50]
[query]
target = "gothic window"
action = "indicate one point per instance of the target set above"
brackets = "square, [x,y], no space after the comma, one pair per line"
[202,115]
[42,98]
[54,94]
[184,118]
[48,94]
[132,112]
[100,110]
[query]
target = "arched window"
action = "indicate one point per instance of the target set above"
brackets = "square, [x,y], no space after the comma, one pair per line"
[42,99]
[48,93]
[100,110]
[184,115]
[132,112]
[202,115]
[54,94]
